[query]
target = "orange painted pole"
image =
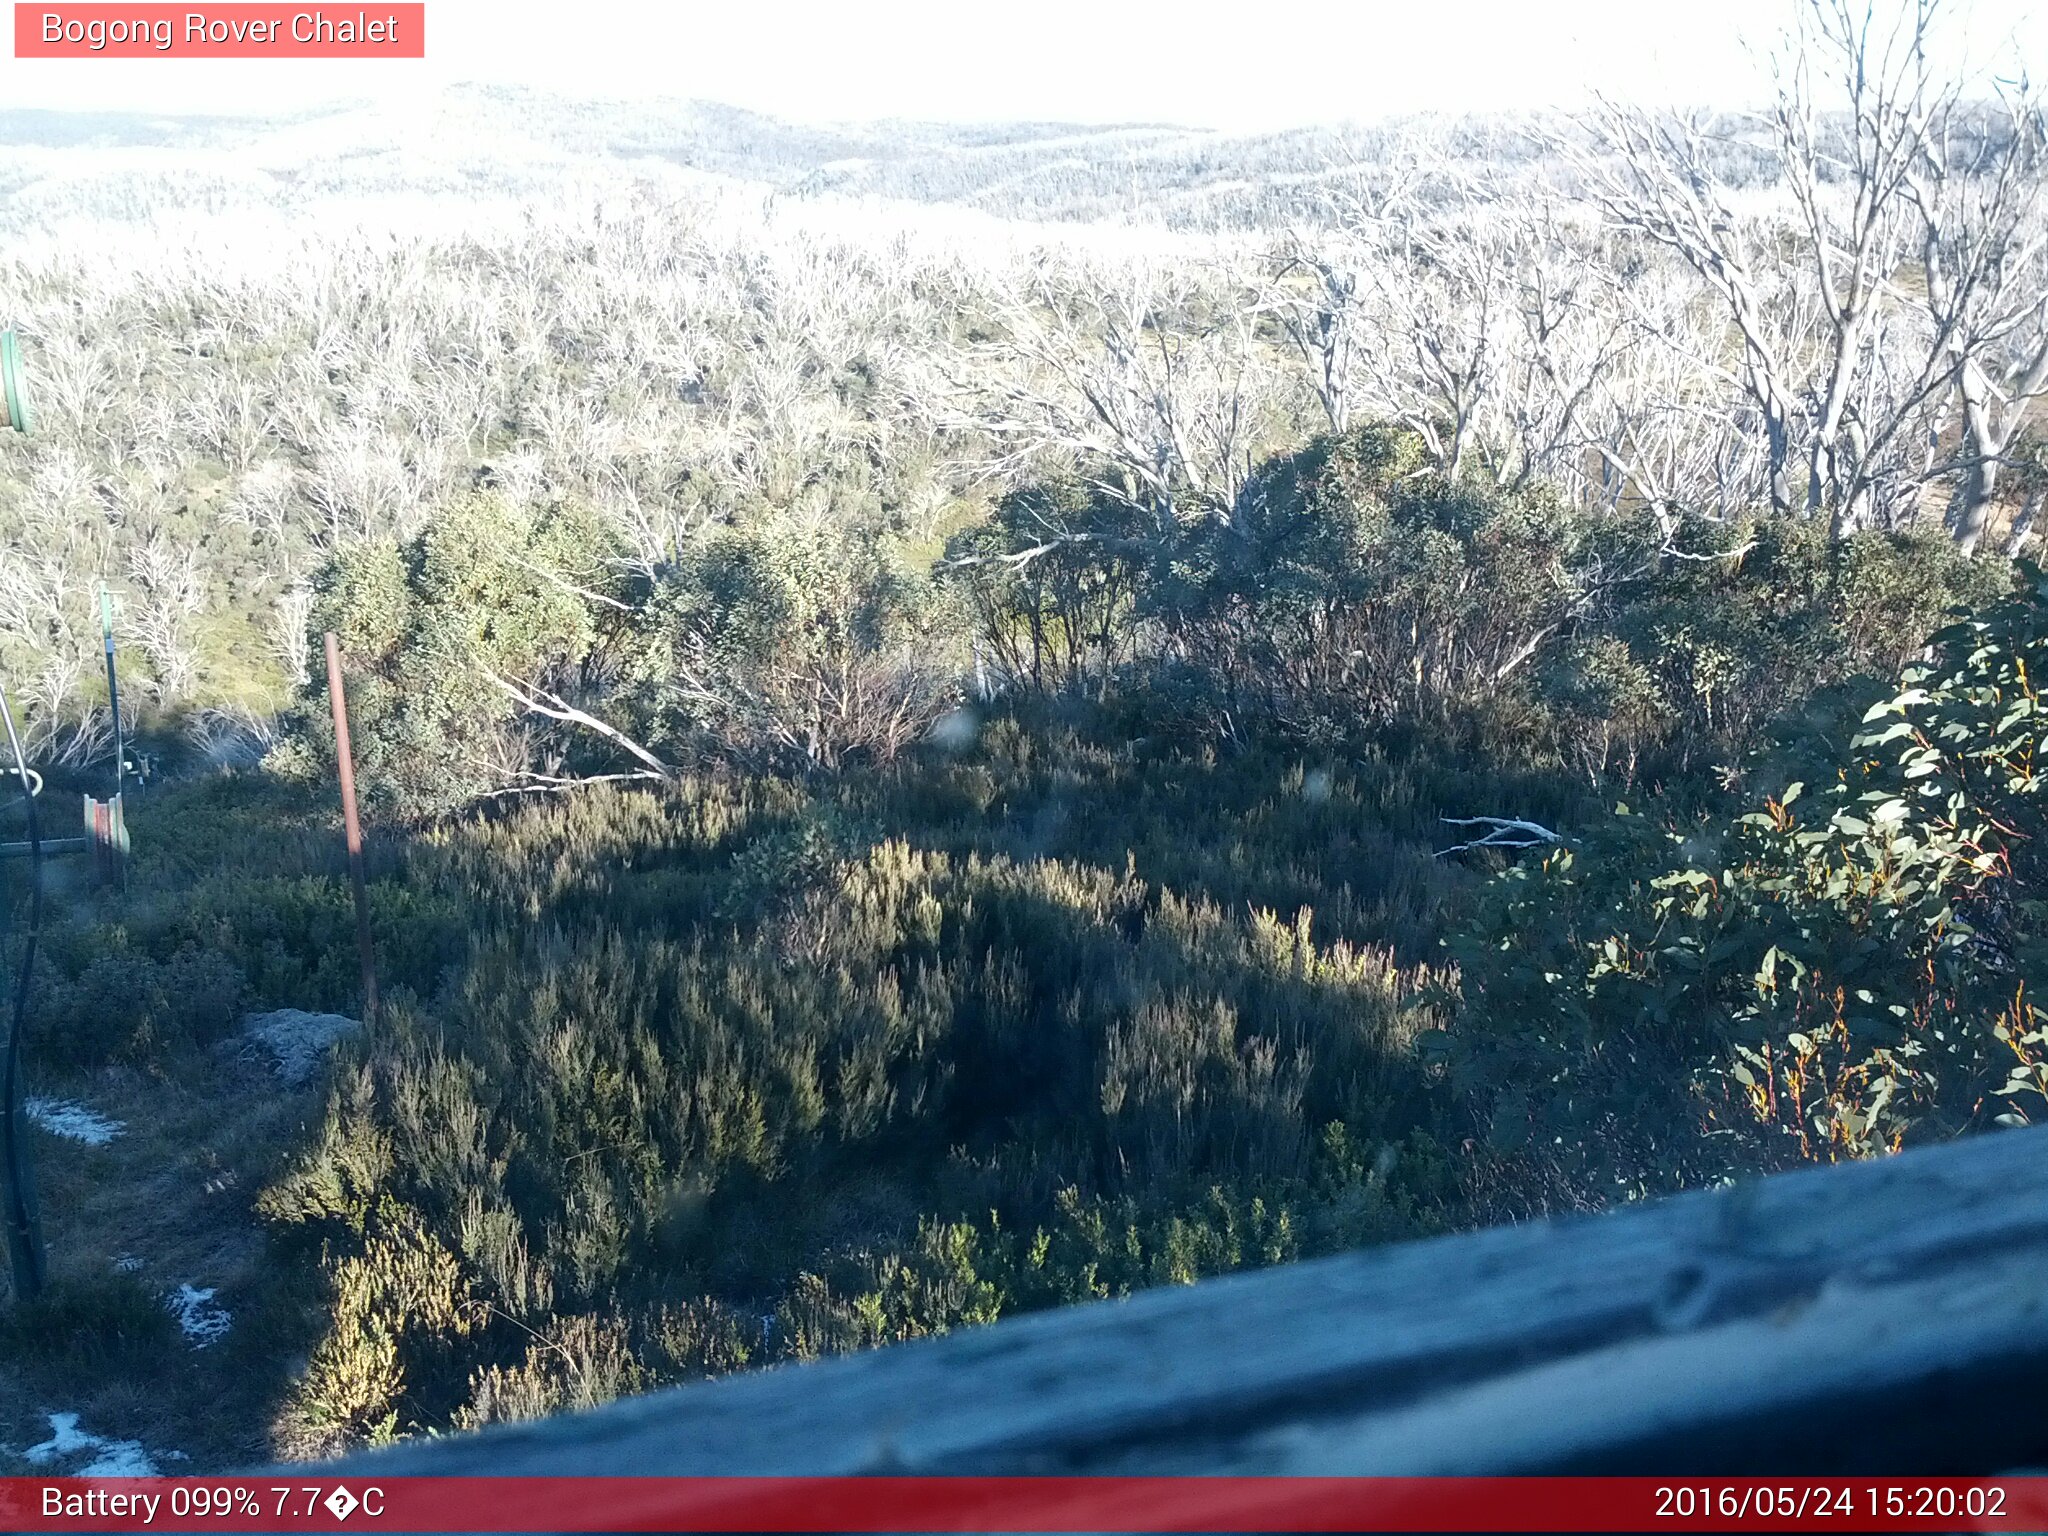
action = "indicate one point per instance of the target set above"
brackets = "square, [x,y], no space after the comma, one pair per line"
[352,826]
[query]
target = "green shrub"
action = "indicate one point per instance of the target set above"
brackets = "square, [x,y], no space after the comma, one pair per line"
[1845,966]
[729,1040]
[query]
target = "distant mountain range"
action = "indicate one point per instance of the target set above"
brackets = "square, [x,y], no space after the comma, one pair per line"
[484,141]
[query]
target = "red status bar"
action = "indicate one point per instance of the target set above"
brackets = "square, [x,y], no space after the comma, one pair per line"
[313,1502]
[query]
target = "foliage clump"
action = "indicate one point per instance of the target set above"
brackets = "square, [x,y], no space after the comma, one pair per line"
[1843,962]
[739,1010]
[669,1137]
[509,649]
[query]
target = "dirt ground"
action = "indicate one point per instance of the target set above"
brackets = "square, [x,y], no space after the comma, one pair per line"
[137,1230]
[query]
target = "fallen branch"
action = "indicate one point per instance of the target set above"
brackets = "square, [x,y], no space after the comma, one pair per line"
[1507,833]
[1726,554]
[1018,559]
[540,702]
[567,585]
[551,784]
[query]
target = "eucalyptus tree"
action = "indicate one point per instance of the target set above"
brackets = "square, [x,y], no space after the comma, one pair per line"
[1978,189]
[1884,277]
[1151,378]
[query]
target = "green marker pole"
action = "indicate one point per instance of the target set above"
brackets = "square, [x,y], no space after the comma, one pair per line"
[12,384]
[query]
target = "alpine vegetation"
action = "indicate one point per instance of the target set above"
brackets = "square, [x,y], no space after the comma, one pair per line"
[934,745]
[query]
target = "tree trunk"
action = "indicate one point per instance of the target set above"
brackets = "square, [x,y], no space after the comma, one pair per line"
[1778,440]
[1971,513]
[1852,492]
[2023,526]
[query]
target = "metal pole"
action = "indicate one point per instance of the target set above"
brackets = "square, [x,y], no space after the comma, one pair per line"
[353,827]
[113,688]
[18,1209]
[112,847]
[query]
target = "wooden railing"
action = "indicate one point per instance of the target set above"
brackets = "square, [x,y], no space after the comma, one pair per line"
[1884,1317]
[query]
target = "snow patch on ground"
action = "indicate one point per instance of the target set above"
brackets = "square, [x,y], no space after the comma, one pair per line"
[203,1320]
[298,1040]
[61,1117]
[110,1458]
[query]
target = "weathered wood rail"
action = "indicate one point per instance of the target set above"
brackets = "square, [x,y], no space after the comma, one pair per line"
[1887,1317]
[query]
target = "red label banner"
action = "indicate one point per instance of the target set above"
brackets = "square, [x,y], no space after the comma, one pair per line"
[312,1501]
[228,31]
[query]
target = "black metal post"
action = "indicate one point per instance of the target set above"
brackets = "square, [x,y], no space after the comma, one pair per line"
[113,688]
[18,1211]
[109,826]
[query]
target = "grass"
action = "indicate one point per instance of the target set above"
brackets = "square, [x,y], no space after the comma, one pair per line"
[162,1205]
[754,1067]
[741,1048]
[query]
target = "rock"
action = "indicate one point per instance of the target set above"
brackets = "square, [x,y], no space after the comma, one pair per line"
[297,1039]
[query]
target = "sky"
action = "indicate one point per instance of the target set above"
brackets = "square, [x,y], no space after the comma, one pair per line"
[1230,64]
